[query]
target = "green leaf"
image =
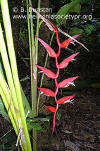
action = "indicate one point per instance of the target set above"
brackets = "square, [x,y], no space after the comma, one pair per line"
[58,115]
[25,100]
[77,8]
[33,123]
[2,108]
[35,126]
[26,105]
[76,30]
[64,10]
[88,28]
[2,68]
[37,119]
[3,111]
[95,85]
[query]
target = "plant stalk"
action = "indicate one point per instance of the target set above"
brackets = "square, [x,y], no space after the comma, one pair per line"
[12,58]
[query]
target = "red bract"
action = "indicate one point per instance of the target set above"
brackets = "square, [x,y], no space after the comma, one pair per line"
[57,37]
[47,91]
[53,27]
[66,61]
[67,41]
[64,99]
[48,72]
[51,108]
[63,64]
[48,23]
[66,82]
[48,48]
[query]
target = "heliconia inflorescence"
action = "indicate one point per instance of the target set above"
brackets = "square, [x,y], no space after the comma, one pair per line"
[52,75]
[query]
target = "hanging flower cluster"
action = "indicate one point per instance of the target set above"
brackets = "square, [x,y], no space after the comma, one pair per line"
[63,64]
[52,75]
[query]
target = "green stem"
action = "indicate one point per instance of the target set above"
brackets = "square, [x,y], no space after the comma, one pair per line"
[35,132]
[37,32]
[33,62]
[6,97]
[11,52]
[6,64]
[32,58]
[11,111]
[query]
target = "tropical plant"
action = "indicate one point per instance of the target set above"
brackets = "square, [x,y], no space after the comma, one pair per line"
[52,75]
[63,64]
[11,93]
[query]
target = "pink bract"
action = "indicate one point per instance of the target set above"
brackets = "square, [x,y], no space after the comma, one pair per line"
[63,64]
[47,91]
[48,72]
[64,99]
